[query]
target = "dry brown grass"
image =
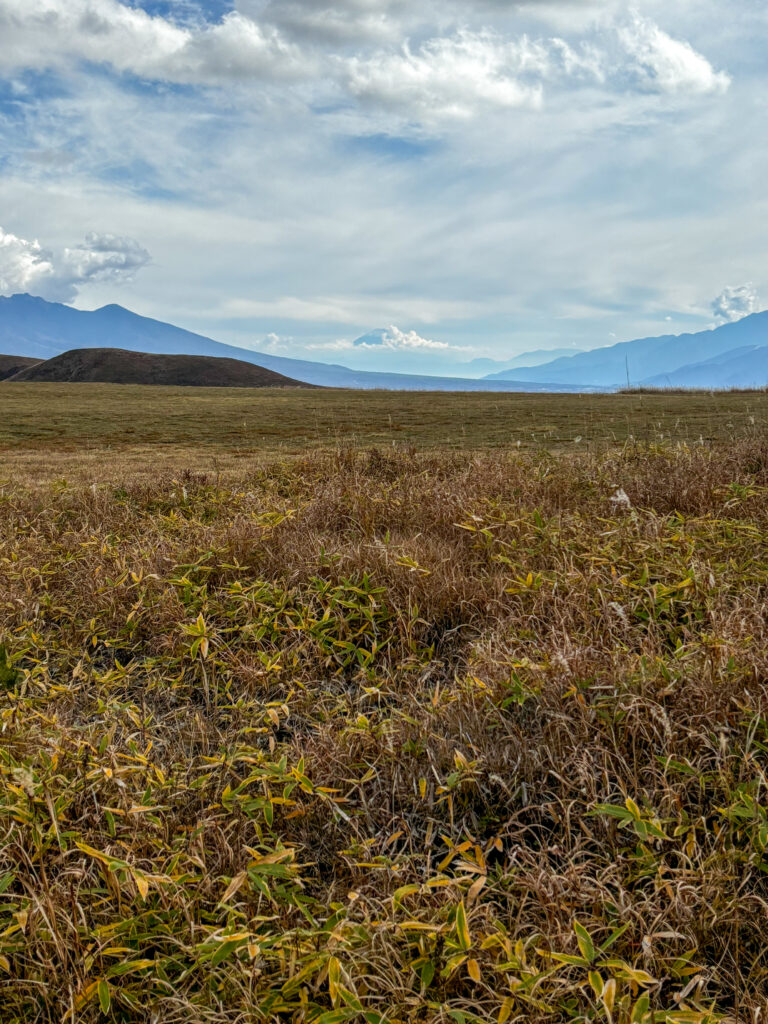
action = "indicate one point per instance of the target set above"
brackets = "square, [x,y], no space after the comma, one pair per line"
[387,736]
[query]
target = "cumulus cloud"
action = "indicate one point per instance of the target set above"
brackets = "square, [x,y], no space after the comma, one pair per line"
[391,339]
[733,303]
[362,47]
[53,33]
[25,266]
[669,65]
[451,77]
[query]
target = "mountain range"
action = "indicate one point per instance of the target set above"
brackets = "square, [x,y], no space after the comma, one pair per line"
[732,355]
[34,328]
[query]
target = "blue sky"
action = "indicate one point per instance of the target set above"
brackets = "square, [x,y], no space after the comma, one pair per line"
[480,177]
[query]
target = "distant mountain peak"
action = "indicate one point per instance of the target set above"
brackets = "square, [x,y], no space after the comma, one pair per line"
[375,337]
[113,307]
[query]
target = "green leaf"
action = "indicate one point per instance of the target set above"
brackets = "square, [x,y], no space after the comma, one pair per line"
[427,973]
[640,1009]
[613,937]
[584,940]
[596,981]
[225,949]
[105,999]
[336,1016]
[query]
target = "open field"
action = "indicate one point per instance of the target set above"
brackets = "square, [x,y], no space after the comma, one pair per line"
[245,421]
[383,735]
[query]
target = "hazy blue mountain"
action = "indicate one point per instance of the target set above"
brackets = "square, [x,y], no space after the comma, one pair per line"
[646,358]
[538,357]
[745,367]
[32,327]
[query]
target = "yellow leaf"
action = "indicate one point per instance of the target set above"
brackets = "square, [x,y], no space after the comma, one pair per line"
[473,969]
[609,995]
[5,964]
[141,884]
[334,977]
[505,1011]
[233,886]
[86,994]
[462,928]
[97,854]
[474,890]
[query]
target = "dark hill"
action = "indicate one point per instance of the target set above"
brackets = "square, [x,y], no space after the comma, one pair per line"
[10,365]
[118,366]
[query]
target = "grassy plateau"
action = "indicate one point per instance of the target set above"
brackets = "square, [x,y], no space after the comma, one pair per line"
[330,707]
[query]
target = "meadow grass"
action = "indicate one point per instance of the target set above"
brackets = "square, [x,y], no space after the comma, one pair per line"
[235,419]
[384,735]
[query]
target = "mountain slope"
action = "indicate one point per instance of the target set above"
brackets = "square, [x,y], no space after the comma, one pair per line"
[40,329]
[117,366]
[9,365]
[745,367]
[646,357]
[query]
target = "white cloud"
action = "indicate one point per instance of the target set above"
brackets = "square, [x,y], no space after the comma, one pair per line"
[451,77]
[404,341]
[53,33]
[669,65]
[25,266]
[452,74]
[390,339]
[733,303]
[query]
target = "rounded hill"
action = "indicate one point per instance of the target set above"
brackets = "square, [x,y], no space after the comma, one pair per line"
[11,365]
[118,366]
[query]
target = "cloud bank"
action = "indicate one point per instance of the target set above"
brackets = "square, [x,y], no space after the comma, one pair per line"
[355,49]
[25,266]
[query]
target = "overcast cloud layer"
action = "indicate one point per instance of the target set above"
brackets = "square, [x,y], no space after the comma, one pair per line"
[475,178]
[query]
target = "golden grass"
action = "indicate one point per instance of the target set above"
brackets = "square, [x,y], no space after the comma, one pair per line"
[384,736]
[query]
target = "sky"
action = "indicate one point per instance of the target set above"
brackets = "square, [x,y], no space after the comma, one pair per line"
[469,180]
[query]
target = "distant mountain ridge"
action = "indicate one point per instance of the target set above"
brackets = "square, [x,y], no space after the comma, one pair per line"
[119,366]
[733,355]
[669,360]
[34,328]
